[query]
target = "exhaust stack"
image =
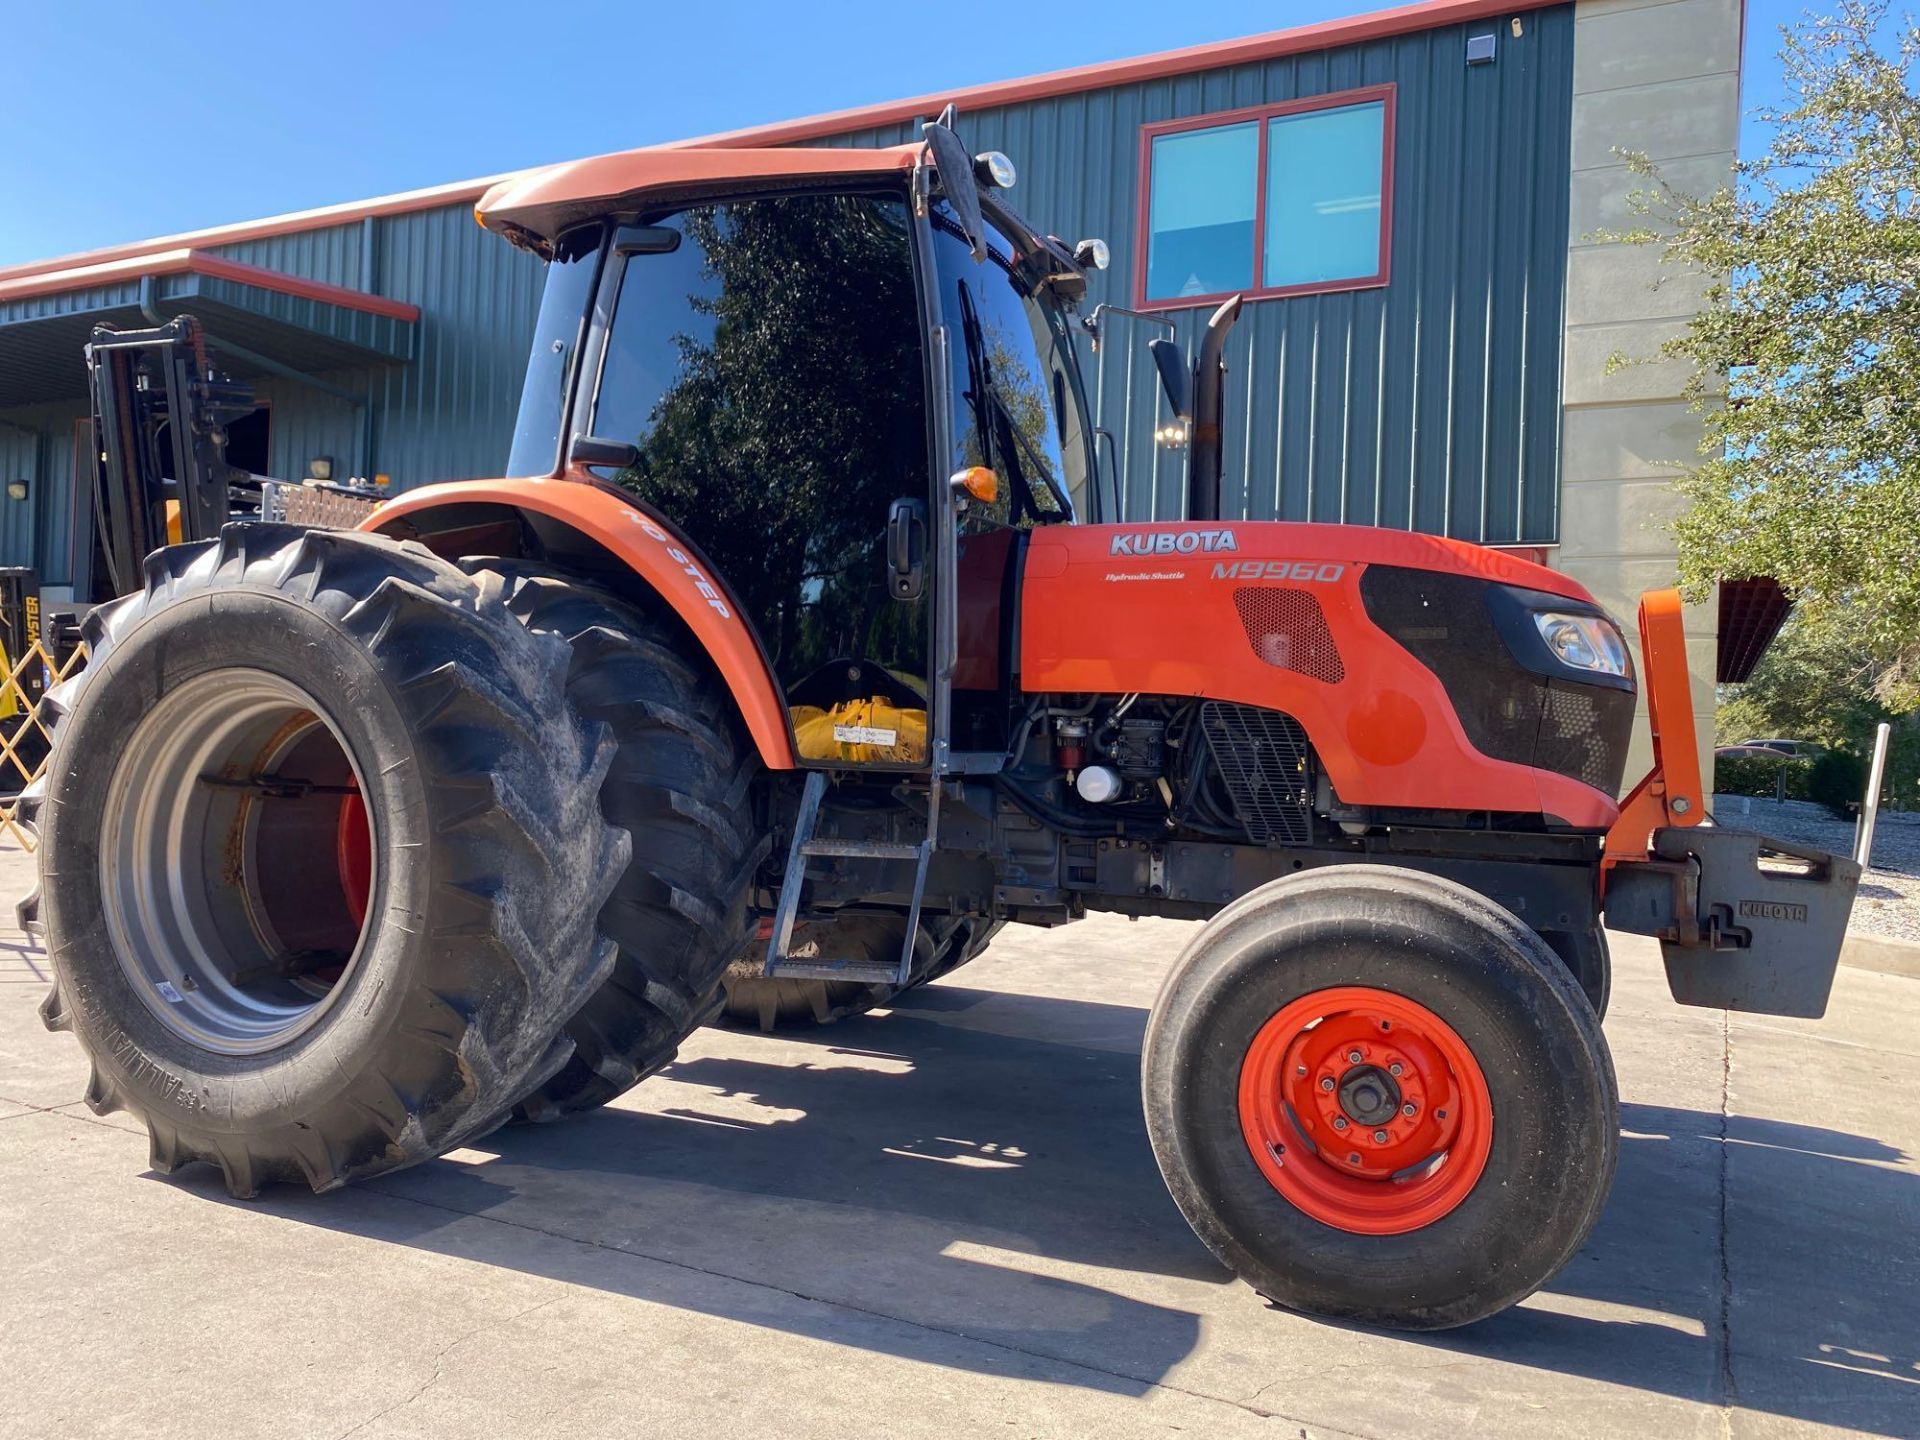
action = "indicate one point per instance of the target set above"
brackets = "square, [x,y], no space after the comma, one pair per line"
[1204,459]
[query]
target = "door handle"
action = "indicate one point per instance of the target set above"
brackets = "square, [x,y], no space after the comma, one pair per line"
[907,549]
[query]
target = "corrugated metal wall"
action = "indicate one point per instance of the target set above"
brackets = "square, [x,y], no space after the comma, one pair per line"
[450,413]
[1430,404]
[447,414]
[36,445]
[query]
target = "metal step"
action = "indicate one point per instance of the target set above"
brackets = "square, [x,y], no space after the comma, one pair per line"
[862,849]
[862,971]
[805,847]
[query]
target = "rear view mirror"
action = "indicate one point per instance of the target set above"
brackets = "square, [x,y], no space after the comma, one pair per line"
[593,450]
[645,240]
[1175,378]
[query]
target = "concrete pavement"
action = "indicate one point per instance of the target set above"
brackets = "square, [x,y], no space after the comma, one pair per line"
[946,1220]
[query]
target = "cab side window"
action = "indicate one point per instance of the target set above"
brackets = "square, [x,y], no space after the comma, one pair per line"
[768,370]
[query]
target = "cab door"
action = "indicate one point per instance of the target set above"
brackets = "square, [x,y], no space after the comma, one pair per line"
[763,358]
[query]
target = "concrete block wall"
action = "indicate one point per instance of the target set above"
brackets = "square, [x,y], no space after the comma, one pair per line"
[1661,77]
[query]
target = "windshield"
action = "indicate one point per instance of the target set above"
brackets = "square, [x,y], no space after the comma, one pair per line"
[1017,403]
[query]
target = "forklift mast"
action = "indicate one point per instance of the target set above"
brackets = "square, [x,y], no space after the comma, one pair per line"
[159,421]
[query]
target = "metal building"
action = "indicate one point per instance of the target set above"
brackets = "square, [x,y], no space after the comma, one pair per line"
[1410,198]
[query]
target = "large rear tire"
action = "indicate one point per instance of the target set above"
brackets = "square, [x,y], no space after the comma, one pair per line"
[681,786]
[321,856]
[1377,1096]
[782,1003]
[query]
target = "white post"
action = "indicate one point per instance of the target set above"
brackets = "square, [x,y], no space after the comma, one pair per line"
[1870,805]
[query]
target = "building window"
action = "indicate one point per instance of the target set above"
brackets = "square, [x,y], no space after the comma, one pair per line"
[1284,200]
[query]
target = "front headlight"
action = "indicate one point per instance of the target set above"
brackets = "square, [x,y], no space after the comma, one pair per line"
[1584,642]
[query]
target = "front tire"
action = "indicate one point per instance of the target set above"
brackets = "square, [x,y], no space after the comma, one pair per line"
[1442,1176]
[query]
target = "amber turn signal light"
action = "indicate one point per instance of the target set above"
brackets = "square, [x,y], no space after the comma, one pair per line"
[979,482]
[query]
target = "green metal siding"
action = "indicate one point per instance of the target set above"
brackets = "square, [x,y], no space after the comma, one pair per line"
[1431,403]
[36,445]
[449,415]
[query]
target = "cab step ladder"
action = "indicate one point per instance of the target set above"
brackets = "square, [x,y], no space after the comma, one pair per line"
[784,965]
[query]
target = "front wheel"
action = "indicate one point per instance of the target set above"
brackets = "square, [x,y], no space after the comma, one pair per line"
[1377,1096]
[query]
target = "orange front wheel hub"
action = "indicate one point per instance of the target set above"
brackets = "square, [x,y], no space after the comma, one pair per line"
[1366,1110]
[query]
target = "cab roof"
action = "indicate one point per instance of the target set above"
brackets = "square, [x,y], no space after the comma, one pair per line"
[534,207]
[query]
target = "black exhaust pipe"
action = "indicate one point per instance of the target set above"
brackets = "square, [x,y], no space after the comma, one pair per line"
[1205,455]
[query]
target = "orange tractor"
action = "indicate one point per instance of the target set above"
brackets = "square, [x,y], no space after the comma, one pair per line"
[803,648]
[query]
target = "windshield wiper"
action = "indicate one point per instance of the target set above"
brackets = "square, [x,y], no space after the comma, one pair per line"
[992,413]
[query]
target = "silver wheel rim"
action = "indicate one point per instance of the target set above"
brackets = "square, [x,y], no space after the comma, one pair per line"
[225,898]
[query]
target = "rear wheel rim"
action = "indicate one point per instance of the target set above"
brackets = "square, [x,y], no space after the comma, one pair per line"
[1365,1110]
[237,915]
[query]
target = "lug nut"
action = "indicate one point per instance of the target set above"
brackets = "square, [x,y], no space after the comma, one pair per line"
[1409,1109]
[1396,1068]
[1327,1084]
[1339,1122]
[1353,1057]
[1379,1137]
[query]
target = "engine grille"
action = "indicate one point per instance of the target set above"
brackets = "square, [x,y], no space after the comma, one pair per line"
[1288,630]
[1265,762]
[1577,734]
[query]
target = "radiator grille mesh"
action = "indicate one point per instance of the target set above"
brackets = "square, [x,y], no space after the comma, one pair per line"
[1263,759]
[1576,739]
[1288,630]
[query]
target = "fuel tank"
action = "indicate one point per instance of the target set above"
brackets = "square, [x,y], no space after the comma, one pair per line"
[1414,686]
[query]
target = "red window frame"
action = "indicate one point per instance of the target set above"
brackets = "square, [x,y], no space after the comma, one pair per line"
[1262,114]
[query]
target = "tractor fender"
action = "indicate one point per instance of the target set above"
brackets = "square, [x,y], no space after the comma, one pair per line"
[577,517]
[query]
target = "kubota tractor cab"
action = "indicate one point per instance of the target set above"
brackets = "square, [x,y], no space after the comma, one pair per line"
[805,645]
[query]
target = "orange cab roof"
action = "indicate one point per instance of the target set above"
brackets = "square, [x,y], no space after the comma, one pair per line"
[544,202]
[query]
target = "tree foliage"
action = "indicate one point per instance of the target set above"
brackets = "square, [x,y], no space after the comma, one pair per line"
[1811,322]
[1814,683]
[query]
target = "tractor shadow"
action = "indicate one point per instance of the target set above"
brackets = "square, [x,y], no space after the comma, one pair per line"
[975,1165]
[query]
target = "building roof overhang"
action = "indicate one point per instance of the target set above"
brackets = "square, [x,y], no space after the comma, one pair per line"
[251,315]
[1751,614]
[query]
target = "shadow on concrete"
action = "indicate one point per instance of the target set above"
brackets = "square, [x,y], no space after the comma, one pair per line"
[913,1167]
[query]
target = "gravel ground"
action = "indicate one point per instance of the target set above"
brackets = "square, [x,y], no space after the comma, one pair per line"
[1888,902]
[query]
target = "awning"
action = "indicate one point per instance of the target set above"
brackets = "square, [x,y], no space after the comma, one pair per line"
[304,325]
[1751,614]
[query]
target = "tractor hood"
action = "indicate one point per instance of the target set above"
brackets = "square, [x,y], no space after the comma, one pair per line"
[1414,662]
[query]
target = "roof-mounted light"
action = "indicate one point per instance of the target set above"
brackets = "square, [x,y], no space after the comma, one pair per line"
[1091,255]
[995,169]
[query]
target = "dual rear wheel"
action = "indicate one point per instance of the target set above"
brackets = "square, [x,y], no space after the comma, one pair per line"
[334,852]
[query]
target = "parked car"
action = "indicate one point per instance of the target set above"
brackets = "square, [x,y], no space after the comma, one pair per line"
[1806,748]
[1754,750]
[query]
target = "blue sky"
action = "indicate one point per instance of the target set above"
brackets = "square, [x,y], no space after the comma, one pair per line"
[130,120]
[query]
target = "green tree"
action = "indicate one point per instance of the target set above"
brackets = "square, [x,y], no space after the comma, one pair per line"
[1812,684]
[1811,322]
